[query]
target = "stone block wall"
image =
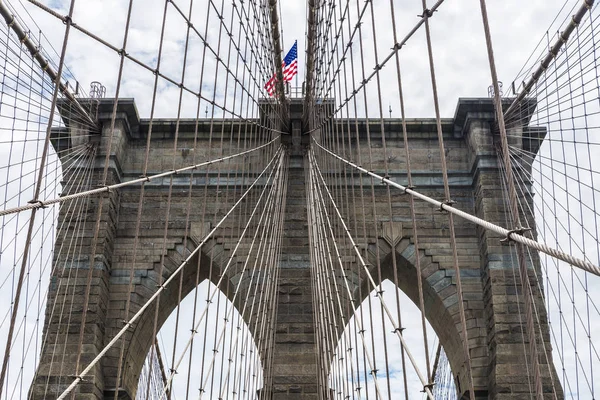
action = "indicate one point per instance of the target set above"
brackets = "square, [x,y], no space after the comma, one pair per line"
[491,295]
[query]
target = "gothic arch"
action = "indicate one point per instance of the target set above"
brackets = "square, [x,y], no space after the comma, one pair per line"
[440,300]
[390,364]
[141,337]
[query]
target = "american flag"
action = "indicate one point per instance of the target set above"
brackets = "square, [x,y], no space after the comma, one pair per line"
[290,69]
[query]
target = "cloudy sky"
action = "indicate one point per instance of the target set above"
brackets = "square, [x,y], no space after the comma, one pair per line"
[518,27]
[459,48]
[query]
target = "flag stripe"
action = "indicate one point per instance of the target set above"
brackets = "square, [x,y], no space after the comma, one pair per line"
[290,69]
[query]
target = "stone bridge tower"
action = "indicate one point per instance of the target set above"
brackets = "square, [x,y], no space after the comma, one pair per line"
[490,298]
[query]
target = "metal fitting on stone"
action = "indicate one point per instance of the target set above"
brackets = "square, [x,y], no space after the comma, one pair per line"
[408,187]
[446,203]
[518,231]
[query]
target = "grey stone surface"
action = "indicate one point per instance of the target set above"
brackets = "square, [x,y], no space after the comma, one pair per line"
[491,295]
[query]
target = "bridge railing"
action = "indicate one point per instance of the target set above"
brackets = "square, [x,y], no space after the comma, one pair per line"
[294,92]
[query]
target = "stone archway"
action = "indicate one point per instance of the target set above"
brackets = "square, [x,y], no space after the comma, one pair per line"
[211,265]
[381,347]
[141,337]
[238,362]
[440,301]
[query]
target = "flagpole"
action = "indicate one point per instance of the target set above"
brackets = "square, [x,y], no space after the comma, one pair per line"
[298,68]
